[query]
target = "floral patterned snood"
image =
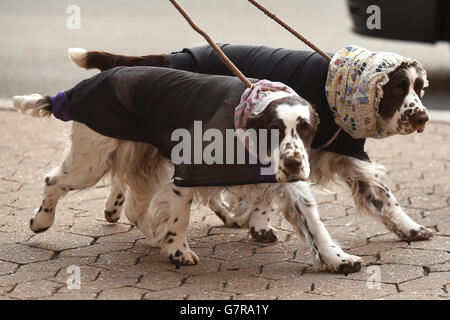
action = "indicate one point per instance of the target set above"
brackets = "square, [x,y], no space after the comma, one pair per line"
[354,89]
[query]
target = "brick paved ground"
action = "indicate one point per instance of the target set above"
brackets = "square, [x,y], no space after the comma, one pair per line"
[117,263]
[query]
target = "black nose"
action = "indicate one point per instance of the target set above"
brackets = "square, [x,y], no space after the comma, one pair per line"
[420,117]
[292,164]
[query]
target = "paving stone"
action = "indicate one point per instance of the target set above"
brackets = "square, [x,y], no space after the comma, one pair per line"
[435,243]
[442,189]
[414,257]
[96,249]
[118,259]
[428,202]
[161,280]
[143,246]
[19,277]
[233,250]
[87,274]
[209,295]
[5,290]
[7,267]
[434,280]
[34,289]
[20,253]
[100,285]
[375,248]
[130,236]
[72,295]
[126,293]
[58,241]
[227,230]
[437,294]
[221,279]
[205,265]
[291,244]
[216,239]
[281,294]
[89,227]
[256,260]
[171,294]
[282,270]
[335,286]
[55,264]
[389,273]
[143,267]
[440,267]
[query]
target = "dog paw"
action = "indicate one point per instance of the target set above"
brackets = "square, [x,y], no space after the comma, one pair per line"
[349,265]
[112,216]
[267,236]
[334,259]
[35,228]
[421,234]
[113,207]
[43,219]
[183,257]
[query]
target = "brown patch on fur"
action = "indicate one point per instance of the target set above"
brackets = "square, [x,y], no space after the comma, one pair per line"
[104,60]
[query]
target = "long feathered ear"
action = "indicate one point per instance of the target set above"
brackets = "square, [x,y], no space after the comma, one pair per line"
[254,122]
[315,117]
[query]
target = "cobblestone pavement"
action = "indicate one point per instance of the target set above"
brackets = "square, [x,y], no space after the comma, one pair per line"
[116,261]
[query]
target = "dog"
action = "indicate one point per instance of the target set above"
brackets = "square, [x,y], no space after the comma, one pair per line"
[158,206]
[400,111]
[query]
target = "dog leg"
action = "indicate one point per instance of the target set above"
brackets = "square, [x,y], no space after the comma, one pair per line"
[85,164]
[54,190]
[259,223]
[374,197]
[114,202]
[136,208]
[220,209]
[168,219]
[302,212]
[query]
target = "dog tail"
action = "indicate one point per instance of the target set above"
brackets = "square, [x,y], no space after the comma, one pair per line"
[104,60]
[34,105]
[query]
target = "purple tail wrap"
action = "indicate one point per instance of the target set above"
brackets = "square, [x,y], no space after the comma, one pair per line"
[60,106]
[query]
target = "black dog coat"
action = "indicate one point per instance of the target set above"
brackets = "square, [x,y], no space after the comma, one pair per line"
[146,104]
[303,71]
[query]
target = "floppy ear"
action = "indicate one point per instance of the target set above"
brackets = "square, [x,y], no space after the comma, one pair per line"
[315,117]
[394,92]
[254,122]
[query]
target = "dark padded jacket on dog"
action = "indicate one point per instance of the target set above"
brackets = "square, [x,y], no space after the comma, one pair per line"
[304,71]
[145,104]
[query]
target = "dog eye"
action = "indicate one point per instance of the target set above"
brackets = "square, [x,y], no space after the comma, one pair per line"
[418,89]
[401,87]
[304,129]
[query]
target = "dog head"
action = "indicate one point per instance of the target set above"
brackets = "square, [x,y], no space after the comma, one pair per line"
[376,94]
[401,107]
[296,122]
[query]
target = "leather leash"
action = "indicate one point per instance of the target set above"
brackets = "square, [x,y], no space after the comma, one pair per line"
[290,29]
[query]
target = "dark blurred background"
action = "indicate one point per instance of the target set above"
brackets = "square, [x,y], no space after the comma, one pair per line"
[34,37]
